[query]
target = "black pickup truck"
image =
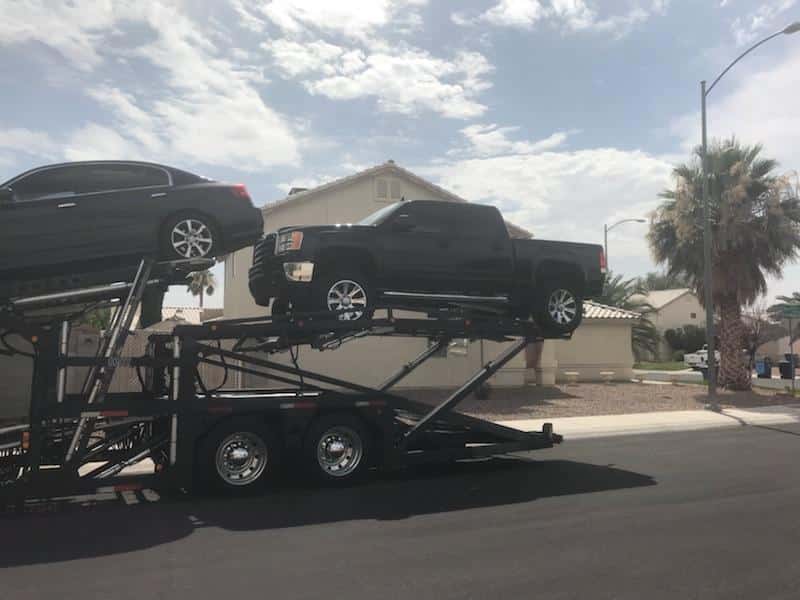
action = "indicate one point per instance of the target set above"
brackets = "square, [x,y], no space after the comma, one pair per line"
[427,254]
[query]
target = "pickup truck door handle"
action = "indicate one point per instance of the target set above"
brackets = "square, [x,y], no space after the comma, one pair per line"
[158,194]
[67,205]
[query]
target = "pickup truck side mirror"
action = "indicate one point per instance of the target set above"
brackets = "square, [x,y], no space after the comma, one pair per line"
[403,222]
[6,195]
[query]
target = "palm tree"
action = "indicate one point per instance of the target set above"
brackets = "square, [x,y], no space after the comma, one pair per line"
[628,294]
[663,280]
[777,311]
[201,282]
[755,219]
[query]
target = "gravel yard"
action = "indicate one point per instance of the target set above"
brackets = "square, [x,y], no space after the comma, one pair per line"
[585,399]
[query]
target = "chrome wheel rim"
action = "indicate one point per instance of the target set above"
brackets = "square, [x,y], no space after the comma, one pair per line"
[562,307]
[347,294]
[339,451]
[191,238]
[241,458]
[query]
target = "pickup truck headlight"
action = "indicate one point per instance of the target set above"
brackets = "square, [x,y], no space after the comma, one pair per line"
[288,242]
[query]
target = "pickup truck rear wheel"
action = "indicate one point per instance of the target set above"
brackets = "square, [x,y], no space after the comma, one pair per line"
[348,294]
[558,309]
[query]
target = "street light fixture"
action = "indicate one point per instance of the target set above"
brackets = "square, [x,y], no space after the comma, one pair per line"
[709,300]
[607,228]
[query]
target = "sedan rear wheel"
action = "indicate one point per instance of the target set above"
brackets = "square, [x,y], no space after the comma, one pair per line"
[189,236]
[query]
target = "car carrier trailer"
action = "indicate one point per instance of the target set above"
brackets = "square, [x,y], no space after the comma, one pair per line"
[235,440]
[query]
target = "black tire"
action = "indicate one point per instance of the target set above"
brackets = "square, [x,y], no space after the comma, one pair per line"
[205,245]
[337,449]
[558,308]
[343,280]
[218,470]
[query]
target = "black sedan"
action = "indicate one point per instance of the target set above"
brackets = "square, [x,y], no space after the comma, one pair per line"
[83,216]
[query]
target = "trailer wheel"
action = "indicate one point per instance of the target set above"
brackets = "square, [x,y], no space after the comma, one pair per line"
[337,449]
[238,457]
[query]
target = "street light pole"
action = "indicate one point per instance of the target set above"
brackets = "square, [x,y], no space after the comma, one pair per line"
[707,241]
[607,228]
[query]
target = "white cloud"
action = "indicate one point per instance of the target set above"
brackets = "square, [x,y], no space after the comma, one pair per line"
[761,21]
[568,15]
[72,28]
[21,140]
[566,195]
[758,106]
[491,140]
[514,13]
[401,79]
[350,18]
[198,106]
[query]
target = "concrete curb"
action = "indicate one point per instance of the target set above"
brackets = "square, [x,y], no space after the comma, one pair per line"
[660,422]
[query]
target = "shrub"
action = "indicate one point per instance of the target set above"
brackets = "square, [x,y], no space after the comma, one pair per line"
[677,356]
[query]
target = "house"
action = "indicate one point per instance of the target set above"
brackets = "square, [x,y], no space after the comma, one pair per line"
[371,360]
[672,309]
[193,315]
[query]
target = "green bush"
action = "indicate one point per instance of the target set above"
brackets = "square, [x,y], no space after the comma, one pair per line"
[688,338]
[677,356]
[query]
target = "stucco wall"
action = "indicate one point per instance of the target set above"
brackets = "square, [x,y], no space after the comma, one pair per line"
[597,345]
[677,314]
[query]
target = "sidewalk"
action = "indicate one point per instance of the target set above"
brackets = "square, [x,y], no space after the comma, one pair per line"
[573,428]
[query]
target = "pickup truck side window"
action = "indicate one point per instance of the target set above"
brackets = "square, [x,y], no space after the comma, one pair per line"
[430,217]
[476,221]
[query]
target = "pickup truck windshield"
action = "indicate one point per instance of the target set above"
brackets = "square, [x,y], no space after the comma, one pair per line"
[379,216]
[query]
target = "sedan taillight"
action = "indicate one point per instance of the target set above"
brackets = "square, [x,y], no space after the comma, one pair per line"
[240,191]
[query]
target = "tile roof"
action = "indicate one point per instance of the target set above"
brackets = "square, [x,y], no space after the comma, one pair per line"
[593,310]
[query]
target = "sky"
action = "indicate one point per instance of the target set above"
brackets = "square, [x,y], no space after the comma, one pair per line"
[566,114]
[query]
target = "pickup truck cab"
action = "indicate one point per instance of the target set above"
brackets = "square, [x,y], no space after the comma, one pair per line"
[426,254]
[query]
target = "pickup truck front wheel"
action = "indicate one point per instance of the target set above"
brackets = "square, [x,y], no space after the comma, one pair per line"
[559,309]
[349,295]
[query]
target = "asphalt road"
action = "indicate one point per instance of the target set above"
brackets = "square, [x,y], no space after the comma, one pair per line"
[690,515]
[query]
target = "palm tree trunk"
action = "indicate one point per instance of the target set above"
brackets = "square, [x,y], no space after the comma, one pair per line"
[201,298]
[733,372]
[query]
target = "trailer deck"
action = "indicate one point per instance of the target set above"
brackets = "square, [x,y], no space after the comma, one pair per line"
[78,442]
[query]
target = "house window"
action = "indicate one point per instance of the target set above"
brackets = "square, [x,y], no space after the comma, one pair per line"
[388,190]
[382,190]
[692,315]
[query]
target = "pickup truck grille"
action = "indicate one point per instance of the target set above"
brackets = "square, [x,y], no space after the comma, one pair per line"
[264,249]
[262,253]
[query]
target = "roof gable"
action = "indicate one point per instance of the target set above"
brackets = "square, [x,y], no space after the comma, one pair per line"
[658,299]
